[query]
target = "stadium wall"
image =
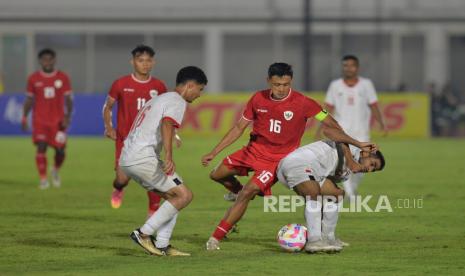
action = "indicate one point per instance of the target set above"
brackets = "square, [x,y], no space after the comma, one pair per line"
[407,115]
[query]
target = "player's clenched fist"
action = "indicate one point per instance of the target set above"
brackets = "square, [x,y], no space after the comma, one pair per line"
[168,167]
[24,124]
[207,158]
[110,133]
[369,147]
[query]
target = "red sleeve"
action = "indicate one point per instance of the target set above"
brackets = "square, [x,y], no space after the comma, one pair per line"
[248,113]
[114,90]
[329,105]
[173,121]
[66,85]
[311,107]
[30,86]
[163,88]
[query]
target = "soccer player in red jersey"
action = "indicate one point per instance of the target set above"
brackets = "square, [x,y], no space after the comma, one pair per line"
[48,91]
[279,117]
[131,92]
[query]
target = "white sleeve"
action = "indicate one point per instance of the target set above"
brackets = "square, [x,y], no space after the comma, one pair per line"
[371,93]
[331,94]
[174,111]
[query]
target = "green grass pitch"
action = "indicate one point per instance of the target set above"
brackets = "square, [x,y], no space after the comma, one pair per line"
[73,230]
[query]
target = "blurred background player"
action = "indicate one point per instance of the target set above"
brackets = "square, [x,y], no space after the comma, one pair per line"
[312,170]
[352,100]
[141,159]
[279,116]
[131,92]
[48,91]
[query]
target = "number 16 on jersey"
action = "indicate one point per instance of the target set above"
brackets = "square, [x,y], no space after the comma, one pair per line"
[275,126]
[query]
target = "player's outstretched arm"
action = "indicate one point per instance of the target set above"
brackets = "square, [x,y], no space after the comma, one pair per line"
[233,134]
[26,109]
[333,131]
[167,133]
[109,130]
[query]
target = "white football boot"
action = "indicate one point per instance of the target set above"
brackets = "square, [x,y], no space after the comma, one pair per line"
[318,246]
[334,244]
[341,243]
[230,196]
[213,244]
[56,180]
[43,185]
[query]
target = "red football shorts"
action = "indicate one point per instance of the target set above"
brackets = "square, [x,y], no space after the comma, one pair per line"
[50,134]
[244,161]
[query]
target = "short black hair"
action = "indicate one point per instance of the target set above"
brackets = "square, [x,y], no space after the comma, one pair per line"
[143,49]
[280,69]
[351,57]
[191,73]
[46,51]
[380,156]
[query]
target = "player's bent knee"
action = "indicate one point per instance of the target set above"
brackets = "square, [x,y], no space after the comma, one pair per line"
[248,192]
[213,175]
[188,197]
[185,192]
[309,189]
[182,192]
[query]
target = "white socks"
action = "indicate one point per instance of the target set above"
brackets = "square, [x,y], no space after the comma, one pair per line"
[165,213]
[330,217]
[164,233]
[313,218]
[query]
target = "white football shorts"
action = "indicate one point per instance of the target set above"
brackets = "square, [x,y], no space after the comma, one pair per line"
[150,175]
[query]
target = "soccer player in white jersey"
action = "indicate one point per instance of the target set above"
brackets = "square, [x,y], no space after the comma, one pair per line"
[152,131]
[352,100]
[311,171]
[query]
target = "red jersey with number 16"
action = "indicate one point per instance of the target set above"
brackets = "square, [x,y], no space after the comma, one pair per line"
[131,94]
[278,125]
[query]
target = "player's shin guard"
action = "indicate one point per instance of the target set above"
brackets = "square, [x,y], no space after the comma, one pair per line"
[330,217]
[59,159]
[221,230]
[164,233]
[166,212]
[154,202]
[41,163]
[313,218]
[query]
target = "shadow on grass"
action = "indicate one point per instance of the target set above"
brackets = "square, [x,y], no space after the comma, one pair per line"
[52,216]
[49,243]
[199,240]
[16,182]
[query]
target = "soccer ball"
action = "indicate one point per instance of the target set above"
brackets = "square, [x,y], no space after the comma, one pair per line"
[292,237]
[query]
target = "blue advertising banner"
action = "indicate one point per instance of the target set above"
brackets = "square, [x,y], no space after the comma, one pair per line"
[86,119]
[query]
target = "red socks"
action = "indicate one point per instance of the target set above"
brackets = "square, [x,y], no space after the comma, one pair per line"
[221,230]
[41,163]
[59,159]
[154,201]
